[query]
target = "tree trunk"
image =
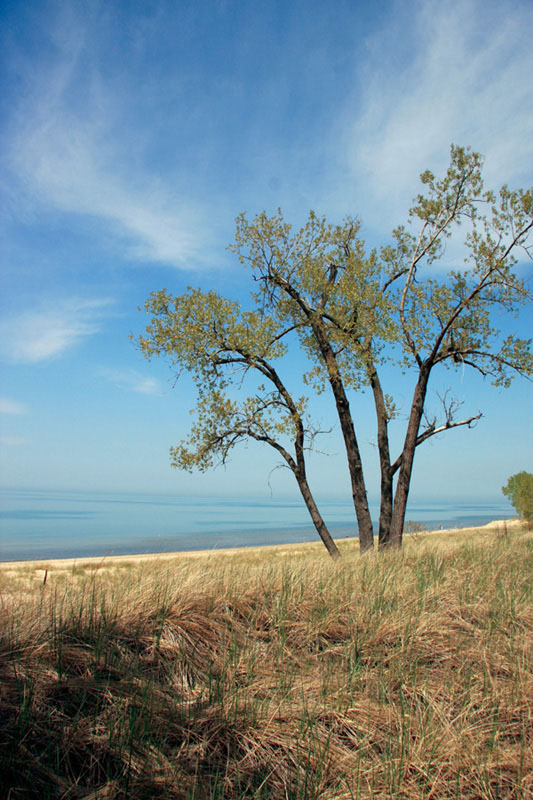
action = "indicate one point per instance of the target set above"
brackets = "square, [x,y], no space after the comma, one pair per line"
[300,474]
[408,454]
[385,509]
[355,466]
[364,520]
[316,516]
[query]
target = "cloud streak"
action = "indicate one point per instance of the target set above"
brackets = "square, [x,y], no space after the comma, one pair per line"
[8,406]
[64,162]
[30,337]
[133,381]
[462,82]
[82,158]
[13,441]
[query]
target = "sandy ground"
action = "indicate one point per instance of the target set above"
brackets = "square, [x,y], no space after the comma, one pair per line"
[65,563]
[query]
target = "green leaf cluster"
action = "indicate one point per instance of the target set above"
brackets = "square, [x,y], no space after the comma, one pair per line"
[519,490]
[320,273]
[222,347]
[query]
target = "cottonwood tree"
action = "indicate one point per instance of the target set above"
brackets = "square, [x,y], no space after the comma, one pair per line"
[352,311]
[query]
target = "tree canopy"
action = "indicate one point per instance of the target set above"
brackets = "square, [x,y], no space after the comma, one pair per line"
[351,311]
[519,490]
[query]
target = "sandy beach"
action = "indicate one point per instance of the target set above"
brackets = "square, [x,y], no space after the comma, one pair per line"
[66,563]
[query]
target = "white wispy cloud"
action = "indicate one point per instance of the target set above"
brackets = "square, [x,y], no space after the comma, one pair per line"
[464,79]
[147,386]
[8,406]
[80,157]
[41,334]
[132,381]
[64,161]
[13,441]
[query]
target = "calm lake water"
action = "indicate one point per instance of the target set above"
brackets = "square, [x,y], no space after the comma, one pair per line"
[49,524]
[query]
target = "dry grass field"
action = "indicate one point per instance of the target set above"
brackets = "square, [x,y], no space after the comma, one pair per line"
[273,673]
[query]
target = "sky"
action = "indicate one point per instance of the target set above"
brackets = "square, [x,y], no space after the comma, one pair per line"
[134,133]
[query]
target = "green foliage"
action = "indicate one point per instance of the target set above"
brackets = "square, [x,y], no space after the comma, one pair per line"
[519,490]
[223,347]
[320,275]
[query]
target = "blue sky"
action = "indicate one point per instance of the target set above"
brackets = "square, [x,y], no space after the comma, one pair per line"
[133,134]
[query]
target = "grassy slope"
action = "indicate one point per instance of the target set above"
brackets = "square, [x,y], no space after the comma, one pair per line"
[273,674]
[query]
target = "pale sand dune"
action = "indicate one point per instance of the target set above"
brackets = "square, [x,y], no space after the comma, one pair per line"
[66,563]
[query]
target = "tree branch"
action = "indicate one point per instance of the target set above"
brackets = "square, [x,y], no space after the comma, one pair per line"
[458,355]
[450,408]
[332,277]
[465,302]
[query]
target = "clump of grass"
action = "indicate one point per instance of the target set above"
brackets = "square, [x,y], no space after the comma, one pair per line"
[274,675]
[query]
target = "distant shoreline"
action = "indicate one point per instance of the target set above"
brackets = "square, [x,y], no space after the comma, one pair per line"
[55,525]
[63,563]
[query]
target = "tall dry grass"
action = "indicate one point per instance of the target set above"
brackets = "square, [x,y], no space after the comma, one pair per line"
[273,675]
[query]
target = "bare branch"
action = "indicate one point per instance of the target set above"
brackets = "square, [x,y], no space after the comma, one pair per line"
[450,407]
